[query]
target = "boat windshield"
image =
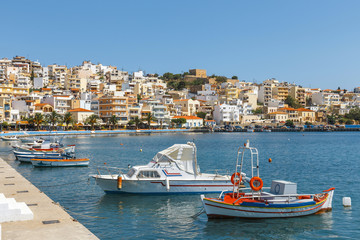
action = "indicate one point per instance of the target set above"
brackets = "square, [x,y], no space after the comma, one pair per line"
[131,172]
[148,174]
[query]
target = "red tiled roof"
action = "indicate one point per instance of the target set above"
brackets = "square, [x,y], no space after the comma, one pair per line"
[304,110]
[288,109]
[41,104]
[278,113]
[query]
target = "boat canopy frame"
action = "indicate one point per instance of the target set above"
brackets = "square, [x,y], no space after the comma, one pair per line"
[254,155]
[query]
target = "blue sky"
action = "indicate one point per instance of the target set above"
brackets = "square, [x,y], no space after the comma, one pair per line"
[311,43]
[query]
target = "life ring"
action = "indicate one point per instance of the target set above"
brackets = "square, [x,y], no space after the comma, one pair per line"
[233,177]
[258,181]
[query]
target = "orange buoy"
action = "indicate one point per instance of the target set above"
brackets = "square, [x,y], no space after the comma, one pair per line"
[119,182]
[258,182]
[270,160]
[233,177]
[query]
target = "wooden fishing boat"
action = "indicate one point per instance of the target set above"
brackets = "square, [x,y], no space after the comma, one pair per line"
[82,162]
[281,201]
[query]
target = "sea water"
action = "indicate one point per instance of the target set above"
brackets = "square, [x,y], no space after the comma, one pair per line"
[316,161]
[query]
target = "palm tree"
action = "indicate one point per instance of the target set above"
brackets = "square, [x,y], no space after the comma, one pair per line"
[149,118]
[38,119]
[137,122]
[68,119]
[92,120]
[53,118]
[113,120]
[138,98]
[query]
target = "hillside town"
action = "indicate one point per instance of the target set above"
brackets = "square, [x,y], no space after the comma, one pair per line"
[98,96]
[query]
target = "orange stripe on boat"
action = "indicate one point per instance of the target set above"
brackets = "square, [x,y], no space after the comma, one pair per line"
[62,160]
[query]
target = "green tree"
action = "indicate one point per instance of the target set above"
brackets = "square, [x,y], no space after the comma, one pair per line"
[92,120]
[331,119]
[167,76]
[234,77]
[354,114]
[289,123]
[178,121]
[180,86]
[149,118]
[258,110]
[349,122]
[113,120]
[308,123]
[53,118]
[220,79]
[38,119]
[201,115]
[137,122]
[292,102]
[5,125]
[138,98]
[68,119]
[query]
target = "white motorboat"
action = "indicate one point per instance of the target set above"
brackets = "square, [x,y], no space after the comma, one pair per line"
[173,170]
[9,138]
[281,201]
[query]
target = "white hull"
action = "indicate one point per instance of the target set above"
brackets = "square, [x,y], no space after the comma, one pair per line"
[27,158]
[161,186]
[60,163]
[219,209]
[9,139]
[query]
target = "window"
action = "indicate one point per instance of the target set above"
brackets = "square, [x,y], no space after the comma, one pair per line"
[148,174]
[131,172]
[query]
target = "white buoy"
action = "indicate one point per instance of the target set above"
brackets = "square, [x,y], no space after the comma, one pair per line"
[346,201]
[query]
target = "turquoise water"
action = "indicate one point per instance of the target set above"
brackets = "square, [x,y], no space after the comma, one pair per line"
[315,161]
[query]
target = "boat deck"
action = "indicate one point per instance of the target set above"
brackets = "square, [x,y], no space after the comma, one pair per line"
[50,221]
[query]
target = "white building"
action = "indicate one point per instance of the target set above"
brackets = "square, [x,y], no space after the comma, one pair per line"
[225,113]
[325,98]
[191,121]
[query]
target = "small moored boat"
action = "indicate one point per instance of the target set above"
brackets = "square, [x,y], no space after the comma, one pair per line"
[173,170]
[9,138]
[83,162]
[281,201]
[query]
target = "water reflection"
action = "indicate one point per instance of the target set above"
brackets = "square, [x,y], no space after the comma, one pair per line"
[279,228]
[162,214]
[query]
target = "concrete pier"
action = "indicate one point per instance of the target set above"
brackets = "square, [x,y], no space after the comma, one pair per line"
[50,221]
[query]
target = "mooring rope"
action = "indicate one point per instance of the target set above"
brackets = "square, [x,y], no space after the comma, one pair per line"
[59,185]
[83,215]
[199,213]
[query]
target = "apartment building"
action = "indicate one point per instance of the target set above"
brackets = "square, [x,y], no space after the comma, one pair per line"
[114,105]
[299,94]
[266,90]
[326,98]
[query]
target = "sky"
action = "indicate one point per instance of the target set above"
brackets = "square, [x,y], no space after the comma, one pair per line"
[311,43]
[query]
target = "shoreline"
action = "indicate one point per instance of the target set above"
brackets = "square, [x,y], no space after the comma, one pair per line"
[147,131]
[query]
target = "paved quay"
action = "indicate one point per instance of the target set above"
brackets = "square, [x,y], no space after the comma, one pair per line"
[50,221]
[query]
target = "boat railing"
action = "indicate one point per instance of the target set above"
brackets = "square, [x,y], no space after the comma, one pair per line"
[112,171]
[219,172]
